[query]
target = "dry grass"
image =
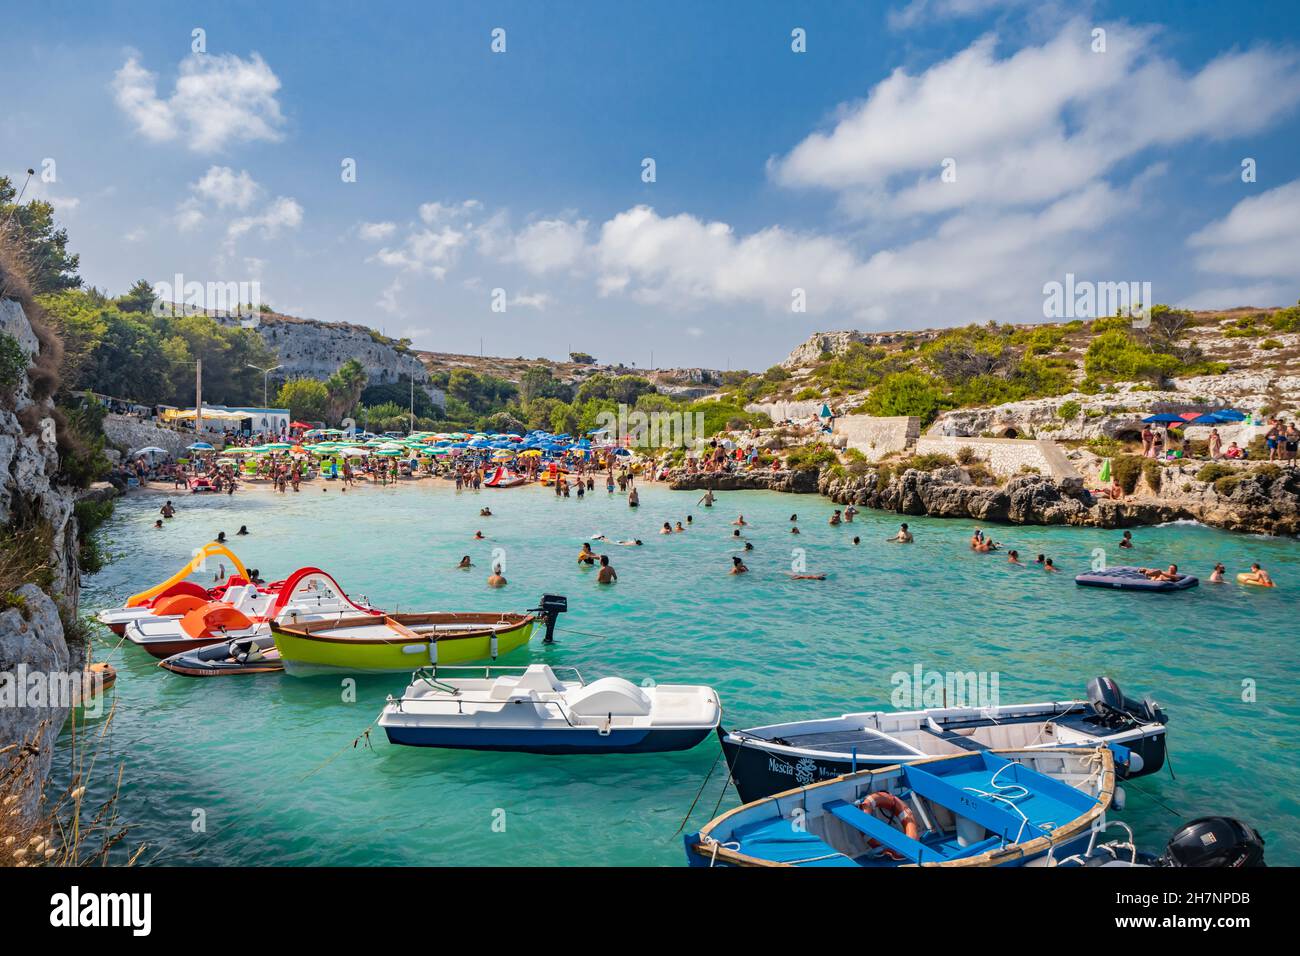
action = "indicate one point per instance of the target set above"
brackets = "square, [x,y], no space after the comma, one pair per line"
[64,828]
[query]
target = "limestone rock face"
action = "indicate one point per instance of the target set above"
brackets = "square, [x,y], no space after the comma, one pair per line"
[796,482]
[31,634]
[809,351]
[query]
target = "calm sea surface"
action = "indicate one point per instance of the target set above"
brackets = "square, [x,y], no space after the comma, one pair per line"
[267,764]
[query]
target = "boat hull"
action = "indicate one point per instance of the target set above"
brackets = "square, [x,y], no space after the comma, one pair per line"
[554,742]
[313,654]
[760,772]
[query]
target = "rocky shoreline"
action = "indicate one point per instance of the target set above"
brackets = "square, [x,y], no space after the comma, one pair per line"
[1258,503]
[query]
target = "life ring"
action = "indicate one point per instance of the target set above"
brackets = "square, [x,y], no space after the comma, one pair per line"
[1245,577]
[893,810]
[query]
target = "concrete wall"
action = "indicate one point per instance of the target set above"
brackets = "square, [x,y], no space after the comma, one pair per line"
[877,437]
[780,411]
[132,434]
[1004,456]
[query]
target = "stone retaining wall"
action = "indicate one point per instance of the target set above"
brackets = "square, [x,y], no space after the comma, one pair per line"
[877,437]
[1004,456]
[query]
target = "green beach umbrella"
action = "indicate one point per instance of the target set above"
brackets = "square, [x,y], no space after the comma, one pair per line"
[1105,471]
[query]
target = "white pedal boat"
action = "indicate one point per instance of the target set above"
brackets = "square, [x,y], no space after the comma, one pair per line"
[529,709]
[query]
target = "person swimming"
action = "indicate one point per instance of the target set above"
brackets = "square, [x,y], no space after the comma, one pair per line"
[243,529]
[666,529]
[1127,540]
[1048,565]
[1013,556]
[749,546]
[485,513]
[835,517]
[221,537]
[736,533]
[158,523]
[1257,575]
[255,576]
[1216,576]
[586,555]
[1040,559]
[478,536]
[707,500]
[465,562]
[856,539]
[740,520]
[167,510]
[849,512]
[679,527]
[794,517]
[606,574]
[903,537]
[633,499]
[635,542]
[496,579]
[794,529]
[737,566]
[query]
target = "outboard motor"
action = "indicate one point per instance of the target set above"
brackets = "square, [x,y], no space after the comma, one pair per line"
[1215,842]
[1110,703]
[552,606]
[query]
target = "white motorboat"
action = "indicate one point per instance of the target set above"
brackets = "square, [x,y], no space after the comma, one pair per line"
[531,710]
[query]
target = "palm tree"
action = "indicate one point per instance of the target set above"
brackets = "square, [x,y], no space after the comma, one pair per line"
[345,387]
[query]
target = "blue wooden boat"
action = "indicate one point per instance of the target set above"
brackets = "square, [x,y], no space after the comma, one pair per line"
[991,808]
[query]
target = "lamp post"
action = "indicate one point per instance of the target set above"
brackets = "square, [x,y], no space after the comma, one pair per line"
[266,372]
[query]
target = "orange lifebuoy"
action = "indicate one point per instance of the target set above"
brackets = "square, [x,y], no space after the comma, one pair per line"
[893,810]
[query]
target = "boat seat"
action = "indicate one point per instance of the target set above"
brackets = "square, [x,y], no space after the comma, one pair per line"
[541,678]
[996,819]
[503,688]
[912,850]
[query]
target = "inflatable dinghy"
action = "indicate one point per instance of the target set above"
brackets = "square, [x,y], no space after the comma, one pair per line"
[245,655]
[1132,579]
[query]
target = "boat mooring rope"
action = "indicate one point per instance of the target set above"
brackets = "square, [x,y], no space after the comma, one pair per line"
[699,793]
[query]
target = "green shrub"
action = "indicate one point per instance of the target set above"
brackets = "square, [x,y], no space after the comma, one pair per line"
[1153,473]
[1029,470]
[1268,471]
[906,393]
[981,475]
[1214,471]
[928,462]
[966,455]
[811,457]
[1069,410]
[1226,486]
[1270,344]
[13,363]
[1127,469]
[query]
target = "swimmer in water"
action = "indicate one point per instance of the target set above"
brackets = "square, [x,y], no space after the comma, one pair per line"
[1040,559]
[167,510]
[1257,575]
[707,500]
[221,537]
[633,499]
[794,517]
[849,512]
[158,523]
[485,513]
[465,562]
[835,518]
[903,537]
[806,577]
[737,566]
[679,527]
[1013,556]
[740,520]
[1048,565]
[856,539]
[635,542]
[666,529]
[1216,576]
[586,555]
[794,529]
[1127,540]
[495,579]
[243,529]
[749,546]
[478,536]
[736,533]
[606,574]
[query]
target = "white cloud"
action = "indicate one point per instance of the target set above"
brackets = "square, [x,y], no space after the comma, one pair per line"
[219,100]
[426,250]
[931,11]
[1034,126]
[388,298]
[135,235]
[189,216]
[550,244]
[376,231]
[1258,238]
[433,213]
[281,213]
[226,188]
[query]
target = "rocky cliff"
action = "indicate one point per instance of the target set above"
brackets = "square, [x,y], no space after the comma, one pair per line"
[314,349]
[1259,502]
[40,540]
[795,482]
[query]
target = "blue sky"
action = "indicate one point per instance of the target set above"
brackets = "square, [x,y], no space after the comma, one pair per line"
[775,171]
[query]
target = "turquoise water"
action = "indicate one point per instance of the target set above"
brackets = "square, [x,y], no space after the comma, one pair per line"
[270,763]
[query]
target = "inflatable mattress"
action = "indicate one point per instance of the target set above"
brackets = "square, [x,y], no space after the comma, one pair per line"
[1132,579]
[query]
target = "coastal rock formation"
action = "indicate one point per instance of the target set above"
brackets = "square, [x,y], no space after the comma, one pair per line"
[313,349]
[810,350]
[1256,503]
[39,510]
[795,482]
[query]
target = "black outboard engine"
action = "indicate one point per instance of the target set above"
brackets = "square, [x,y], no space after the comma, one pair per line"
[551,607]
[1110,703]
[1215,842]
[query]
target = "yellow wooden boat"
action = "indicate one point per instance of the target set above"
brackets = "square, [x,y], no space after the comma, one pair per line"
[403,642]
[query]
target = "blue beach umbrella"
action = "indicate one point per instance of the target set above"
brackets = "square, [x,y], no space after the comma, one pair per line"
[1165,418]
